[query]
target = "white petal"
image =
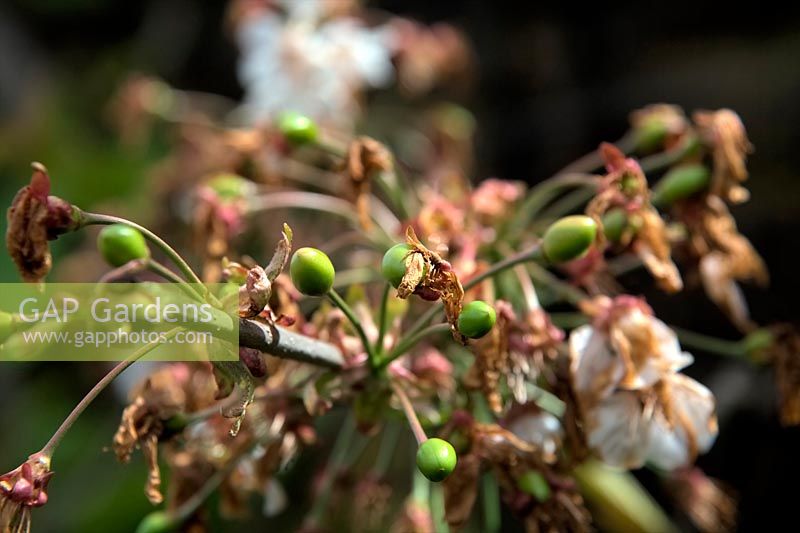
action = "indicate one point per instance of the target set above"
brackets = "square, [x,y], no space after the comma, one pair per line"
[541,429]
[693,405]
[651,366]
[668,448]
[671,354]
[697,404]
[618,432]
[596,370]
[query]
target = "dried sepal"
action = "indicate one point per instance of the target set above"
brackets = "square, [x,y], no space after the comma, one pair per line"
[255,293]
[22,490]
[229,375]
[365,158]
[281,255]
[415,273]
[652,246]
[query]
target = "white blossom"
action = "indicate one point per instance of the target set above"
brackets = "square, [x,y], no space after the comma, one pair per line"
[303,62]
[638,408]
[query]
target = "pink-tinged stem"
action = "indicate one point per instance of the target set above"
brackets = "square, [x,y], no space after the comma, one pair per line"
[408,409]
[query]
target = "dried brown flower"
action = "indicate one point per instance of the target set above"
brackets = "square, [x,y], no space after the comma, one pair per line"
[431,277]
[34,218]
[724,255]
[625,186]
[723,132]
[365,158]
[160,397]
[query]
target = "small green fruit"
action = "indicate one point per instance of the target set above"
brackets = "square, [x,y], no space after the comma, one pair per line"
[476,319]
[157,522]
[393,265]
[569,238]
[312,272]
[298,129]
[119,244]
[616,222]
[680,183]
[436,459]
[533,483]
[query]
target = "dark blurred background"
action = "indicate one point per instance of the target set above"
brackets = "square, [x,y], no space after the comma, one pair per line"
[552,82]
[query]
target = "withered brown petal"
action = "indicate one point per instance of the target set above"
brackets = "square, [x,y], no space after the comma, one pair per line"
[415,274]
[26,236]
[281,255]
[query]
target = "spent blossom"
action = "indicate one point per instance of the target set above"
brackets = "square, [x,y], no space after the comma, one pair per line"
[637,406]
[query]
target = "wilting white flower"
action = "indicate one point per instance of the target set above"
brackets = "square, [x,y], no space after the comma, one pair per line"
[539,428]
[303,62]
[634,352]
[638,408]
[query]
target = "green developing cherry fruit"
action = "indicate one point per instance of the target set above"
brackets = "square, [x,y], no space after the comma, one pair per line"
[298,129]
[569,238]
[119,244]
[157,522]
[476,319]
[616,222]
[436,459]
[312,272]
[679,183]
[393,265]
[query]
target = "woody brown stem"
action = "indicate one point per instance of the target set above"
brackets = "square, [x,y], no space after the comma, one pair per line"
[280,342]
